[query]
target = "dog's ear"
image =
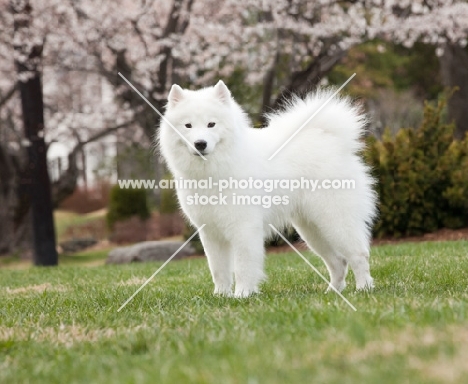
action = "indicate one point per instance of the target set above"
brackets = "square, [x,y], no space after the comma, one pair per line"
[222,91]
[176,94]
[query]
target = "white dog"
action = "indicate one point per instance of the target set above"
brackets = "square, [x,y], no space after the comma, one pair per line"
[213,138]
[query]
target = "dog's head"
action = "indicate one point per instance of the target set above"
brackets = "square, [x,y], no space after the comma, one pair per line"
[202,119]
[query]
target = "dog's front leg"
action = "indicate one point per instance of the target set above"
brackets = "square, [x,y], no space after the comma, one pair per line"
[248,254]
[220,262]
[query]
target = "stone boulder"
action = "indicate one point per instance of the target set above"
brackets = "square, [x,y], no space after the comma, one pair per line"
[77,244]
[149,251]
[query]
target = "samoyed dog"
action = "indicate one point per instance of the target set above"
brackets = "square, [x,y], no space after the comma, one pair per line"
[206,135]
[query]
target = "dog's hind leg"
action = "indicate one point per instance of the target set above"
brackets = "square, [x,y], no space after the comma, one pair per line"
[336,264]
[349,240]
[359,262]
[352,241]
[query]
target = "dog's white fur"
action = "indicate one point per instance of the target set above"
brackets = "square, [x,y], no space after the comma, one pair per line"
[334,223]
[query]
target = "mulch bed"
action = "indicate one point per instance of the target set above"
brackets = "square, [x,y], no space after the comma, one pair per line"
[440,235]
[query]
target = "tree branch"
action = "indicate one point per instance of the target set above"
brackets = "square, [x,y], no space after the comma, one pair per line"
[8,95]
[302,81]
[66,184]
[268,87]
[99,135]
[171,25]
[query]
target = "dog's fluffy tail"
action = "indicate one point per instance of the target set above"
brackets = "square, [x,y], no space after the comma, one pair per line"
[337,117]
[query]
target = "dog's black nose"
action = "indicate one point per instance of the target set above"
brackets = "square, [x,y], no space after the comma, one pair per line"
[200,145]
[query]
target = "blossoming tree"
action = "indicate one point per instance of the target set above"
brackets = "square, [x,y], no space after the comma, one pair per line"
[281,46]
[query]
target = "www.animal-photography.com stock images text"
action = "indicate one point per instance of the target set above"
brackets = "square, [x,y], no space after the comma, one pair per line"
[220,191]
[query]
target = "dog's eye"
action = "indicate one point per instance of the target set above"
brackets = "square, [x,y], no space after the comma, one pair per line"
[211,125]
[188,125]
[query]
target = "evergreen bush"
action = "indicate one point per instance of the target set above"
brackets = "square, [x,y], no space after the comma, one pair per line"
[422,177]
[125,203]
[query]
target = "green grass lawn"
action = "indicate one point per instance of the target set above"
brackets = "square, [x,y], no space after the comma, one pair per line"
[86,258]
[62,326]
[65,221]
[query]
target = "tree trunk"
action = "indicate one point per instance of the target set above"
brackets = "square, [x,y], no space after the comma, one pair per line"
[15,228]
[454,69]
[36,180]
[306,80]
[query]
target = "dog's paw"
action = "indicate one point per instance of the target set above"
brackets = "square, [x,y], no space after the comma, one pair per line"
[338,287]
[242,293]
[223,291]
[368,286]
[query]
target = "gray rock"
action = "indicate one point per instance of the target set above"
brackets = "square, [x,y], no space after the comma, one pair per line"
[149,251]
[77,244]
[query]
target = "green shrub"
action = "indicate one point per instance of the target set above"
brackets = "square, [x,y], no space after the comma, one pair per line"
[125,203]
[277,241]
[169,202]
[422,177]
[195,242]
